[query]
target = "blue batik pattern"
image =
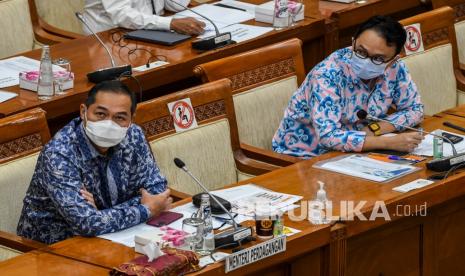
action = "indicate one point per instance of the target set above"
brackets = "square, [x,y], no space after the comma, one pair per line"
[54,208]
[322,114]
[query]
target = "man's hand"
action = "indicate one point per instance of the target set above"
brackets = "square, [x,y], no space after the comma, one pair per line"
[187,25]
[156,203]
[405,142]
[88,197]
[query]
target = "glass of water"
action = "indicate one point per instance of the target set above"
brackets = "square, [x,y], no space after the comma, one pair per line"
[62,76]
[193,227]
[295,7]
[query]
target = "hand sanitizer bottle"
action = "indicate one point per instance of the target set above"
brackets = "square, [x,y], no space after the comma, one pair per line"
[320,209]
[438,145]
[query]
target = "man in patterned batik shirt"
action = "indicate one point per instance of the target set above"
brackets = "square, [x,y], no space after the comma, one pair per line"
[322,113]
[97,175]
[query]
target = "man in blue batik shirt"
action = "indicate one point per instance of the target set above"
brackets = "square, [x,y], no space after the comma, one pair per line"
[97,175]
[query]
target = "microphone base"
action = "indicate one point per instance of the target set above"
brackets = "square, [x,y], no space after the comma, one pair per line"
[446,163]
[233,237]
[111,73]
[213,42]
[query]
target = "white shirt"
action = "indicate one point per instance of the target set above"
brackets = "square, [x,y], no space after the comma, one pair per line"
[103,15]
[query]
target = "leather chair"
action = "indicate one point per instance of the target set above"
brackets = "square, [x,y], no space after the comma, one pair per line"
[211,150]
[436,71]
[21,139]
[18,32]
[57,17]
[459,8]
[263,81]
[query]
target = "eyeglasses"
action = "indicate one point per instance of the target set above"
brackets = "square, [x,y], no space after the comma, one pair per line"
[363,54]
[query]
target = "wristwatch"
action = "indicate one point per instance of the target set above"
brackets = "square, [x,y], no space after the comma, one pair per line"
[375,128]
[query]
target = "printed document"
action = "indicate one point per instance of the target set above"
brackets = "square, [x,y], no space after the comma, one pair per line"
[365,167]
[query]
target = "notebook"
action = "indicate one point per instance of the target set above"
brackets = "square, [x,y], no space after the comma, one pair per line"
[157,37]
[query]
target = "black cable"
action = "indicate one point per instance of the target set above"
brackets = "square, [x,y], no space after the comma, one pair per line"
[453,169]
[117,36]
[129,75]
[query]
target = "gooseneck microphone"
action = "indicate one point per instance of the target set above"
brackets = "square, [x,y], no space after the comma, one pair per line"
[212,42]
[104,74]
[438,165]
[228,237]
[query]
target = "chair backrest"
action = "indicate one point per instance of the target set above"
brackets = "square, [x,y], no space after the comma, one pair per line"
[61,13]
[434,69]
[207,150]
[17,32]
[459,8]
[21,138]
[263,81]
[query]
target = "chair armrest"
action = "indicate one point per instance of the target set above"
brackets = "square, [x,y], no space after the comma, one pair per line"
[58,32]
[460,80]
[19,243]
[47,38]
[251,166]
[177,195]
[268,156]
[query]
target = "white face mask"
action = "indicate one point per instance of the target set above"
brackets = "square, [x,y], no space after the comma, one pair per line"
[365,68]
[105,133]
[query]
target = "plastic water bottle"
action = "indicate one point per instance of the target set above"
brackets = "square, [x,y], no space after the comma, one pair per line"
[438,145]
[280,14]
[45,84]
[205,213]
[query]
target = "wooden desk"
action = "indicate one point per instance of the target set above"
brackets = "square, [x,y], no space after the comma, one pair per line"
[349,16]
[37,263]
[458,111]
[405,245]
[86,55]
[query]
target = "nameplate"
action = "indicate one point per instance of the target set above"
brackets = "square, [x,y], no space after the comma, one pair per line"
[255,253]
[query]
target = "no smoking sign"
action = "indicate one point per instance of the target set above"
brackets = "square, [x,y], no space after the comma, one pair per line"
[414,43]
[183,115]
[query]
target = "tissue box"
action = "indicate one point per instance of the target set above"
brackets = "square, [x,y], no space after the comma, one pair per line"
[146,237]
[163,235]
[29,80]
[264,12]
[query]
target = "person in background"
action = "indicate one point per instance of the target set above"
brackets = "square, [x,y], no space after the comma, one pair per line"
[322,113]
[97,175]
[103,15]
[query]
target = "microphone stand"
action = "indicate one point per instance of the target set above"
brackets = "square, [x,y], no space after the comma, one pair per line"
[105,74]
[229,237]
[438,165]
[209,43]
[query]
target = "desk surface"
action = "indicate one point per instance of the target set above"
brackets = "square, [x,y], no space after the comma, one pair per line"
[37,263]
[301,179]
[86,55]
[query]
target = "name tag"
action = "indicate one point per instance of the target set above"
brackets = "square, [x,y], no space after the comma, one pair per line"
[255,253]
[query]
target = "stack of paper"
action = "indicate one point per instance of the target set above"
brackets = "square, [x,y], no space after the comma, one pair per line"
[365,167]
[425,148]
[238,196]
[222,17]
[10,69]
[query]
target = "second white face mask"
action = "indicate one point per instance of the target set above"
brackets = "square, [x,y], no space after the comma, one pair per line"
[365,68]
[105,133]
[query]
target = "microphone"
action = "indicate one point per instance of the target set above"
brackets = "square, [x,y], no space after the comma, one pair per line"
[438,165]
[104,74]
[212,42]
[229,237]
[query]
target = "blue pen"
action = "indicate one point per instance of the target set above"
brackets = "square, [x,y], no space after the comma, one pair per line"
[398,158]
